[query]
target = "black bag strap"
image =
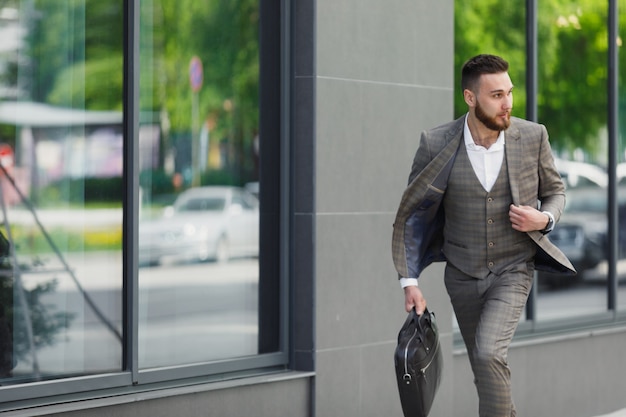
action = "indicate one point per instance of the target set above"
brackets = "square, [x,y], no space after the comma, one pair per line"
[421,322]
[426,321]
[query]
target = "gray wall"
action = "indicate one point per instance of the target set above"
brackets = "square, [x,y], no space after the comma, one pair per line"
[384,72]
[271,398]
[578,374]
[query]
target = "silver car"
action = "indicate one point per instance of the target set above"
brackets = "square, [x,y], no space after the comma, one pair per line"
[204,223]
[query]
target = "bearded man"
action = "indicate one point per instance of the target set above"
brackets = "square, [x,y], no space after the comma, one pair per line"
[483,194]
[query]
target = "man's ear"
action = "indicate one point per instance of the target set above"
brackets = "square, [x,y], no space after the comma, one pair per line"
[470,98]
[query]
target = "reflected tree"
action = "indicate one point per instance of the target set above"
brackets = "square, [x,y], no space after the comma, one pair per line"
[572,62]
[75,59]
[25,328]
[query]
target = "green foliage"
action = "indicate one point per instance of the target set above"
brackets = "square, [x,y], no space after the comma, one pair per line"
[158,181]
[8,134]
[219,177]
[573,99]
[77,48]
[81,191]
[101,90]
[478,30]
[572,62]
[224,35]
[29,240]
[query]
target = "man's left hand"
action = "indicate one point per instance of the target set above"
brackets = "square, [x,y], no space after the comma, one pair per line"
[527,219]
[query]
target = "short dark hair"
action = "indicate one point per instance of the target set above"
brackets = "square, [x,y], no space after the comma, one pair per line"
[479,65]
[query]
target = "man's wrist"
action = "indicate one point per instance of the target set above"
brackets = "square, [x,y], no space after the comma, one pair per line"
[406,282]
[550,224]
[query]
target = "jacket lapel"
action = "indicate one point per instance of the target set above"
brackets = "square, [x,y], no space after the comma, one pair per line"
[513,151]
[434,176]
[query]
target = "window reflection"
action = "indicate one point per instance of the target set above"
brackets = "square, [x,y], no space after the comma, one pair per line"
[572,52]
[60,190]
[216,223]
[621,160]
[199,219]
[582,232]
[572,38]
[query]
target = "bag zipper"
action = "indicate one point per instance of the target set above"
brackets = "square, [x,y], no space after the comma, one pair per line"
[407,376]
[423,370]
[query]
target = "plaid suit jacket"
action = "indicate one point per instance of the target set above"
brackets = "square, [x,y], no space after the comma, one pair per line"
[533,178]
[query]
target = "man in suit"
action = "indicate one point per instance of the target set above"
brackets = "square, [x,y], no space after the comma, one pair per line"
[483,194]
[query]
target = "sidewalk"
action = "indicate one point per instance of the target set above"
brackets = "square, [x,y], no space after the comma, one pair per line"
[618,413]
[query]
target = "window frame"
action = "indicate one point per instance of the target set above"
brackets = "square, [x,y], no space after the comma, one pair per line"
[529,327]
[612,314]
[274,263]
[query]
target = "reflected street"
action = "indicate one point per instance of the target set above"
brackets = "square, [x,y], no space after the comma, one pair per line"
[576,301]
[197,312]
[188,313]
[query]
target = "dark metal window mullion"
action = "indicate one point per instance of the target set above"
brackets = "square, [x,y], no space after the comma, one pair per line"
[531,110]
[285,180]
[131,181]
[613,126]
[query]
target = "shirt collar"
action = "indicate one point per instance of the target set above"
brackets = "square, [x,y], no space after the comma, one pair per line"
[469,140]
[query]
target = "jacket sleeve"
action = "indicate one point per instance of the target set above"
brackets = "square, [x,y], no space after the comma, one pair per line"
[418,227]
[551,191]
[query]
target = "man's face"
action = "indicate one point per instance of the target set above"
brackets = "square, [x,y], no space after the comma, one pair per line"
[494,101]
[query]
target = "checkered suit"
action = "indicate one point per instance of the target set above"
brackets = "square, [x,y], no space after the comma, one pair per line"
[490,266]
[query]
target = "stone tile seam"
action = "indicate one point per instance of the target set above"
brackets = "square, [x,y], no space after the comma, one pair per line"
[388,83]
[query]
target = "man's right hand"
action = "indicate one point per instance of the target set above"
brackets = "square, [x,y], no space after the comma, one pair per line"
[413,298]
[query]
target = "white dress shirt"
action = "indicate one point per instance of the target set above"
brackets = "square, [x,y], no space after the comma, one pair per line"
[486,162]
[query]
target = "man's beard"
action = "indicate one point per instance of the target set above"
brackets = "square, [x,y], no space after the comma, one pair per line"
[493,123]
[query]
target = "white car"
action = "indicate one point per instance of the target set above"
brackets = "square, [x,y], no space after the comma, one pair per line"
[205,223]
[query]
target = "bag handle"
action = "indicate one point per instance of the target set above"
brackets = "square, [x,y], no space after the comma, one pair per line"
[427,318]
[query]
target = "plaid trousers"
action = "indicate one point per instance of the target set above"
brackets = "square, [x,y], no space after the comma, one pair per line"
[488,312]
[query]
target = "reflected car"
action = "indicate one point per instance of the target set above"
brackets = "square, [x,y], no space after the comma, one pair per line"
[214,223]
[582,232]
[577,174]
[253,188]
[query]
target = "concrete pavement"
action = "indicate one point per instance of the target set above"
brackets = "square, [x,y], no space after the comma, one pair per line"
[618,413]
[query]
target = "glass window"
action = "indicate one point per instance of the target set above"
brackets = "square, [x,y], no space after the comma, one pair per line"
[572,101]
[199,216]
[474,19]
[62,186]
[573,45]
[61,152]
[621,158]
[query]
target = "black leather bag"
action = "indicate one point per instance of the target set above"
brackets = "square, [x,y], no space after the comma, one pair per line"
[419,363]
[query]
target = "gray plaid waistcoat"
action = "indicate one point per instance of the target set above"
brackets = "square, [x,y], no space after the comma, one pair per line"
[478,237]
